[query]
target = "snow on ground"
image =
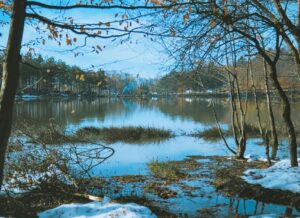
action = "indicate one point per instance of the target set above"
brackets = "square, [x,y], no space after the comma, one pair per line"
[250,158]
[279,176]
[103,209]
[266,216]
[255,157]
[21,182]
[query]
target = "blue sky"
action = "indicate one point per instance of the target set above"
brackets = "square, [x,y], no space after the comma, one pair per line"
[137,56]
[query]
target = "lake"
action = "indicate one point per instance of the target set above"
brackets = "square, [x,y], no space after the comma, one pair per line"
[180,115]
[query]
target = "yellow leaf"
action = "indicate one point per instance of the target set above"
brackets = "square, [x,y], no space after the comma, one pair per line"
[81,77]
[69,41]
[156,2]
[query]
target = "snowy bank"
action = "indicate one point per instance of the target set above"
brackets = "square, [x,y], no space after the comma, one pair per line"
[255,157]
[20,182]
[279,176]
[103,209]
[250,158]
[266,216]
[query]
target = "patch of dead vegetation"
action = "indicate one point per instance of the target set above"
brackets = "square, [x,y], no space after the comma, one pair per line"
[47,196]
[160,190]
[213,134]
[173,170]
[125,134]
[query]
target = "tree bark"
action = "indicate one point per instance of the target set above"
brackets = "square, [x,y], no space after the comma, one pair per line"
[242,146]
[297,58]
[286,116]
[10,77]
[271,114]
[255,99]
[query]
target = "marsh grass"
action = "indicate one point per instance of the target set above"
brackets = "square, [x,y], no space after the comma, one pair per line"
[125,134]
[212,134]
[166,170]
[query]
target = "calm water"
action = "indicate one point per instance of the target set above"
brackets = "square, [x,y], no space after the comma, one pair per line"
[177,114]
[180,115]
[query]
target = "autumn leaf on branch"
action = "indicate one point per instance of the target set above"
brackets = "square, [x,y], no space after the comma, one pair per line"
[68,41]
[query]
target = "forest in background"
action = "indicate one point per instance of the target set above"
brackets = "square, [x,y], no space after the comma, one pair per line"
[55,78]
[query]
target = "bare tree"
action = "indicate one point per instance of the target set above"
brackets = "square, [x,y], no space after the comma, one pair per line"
[32,12]
[205,22]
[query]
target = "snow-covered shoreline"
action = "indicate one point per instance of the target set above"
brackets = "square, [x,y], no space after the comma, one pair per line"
[95,209]
[280,176]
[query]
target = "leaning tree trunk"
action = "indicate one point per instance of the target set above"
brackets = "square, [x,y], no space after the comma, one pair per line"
[286,116]
[10,77]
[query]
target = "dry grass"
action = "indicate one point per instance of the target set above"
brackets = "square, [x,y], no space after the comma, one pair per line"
[124,134]
[212,134]
[166,170]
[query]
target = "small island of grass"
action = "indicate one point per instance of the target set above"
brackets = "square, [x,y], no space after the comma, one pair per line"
[125,134]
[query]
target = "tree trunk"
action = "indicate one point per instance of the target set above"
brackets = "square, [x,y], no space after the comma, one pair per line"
[10,77]
[233,110]
[297,59]
[242,146]
[271,114]
[243,138]
[286,116]
[255,99]
[297,37]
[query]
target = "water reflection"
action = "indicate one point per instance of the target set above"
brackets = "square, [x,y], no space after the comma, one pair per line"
[172,113]
[181,115]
